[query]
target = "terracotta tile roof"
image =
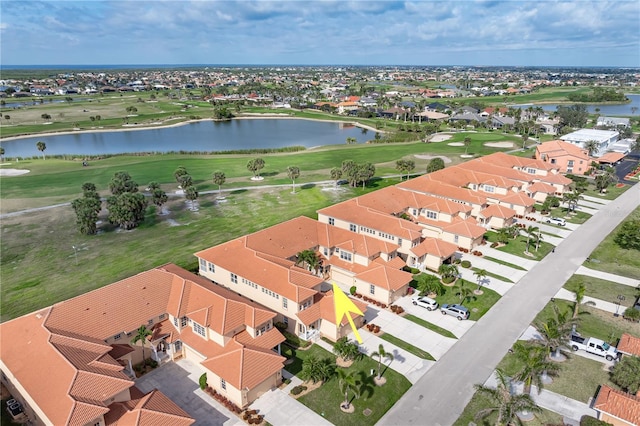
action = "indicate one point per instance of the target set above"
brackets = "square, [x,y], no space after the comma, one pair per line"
[506,160]
[395,200]
[439,188]
[277,240]
[151,409]
[629,344]
[266,341]
[385,277]
[508,172]
[611,157]
[466,228]
[516,198]
[553,178]
[619,404]
[435,247]
[540,187]
[328,308]
[310,314]
[332,236]
[496,210]
[120,350]
[396,262]
[559,148]
[243,367]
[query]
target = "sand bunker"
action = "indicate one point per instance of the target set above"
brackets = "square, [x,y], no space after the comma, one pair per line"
[13,172]
[455,144]
[499,144]
[430,157]
[440,138]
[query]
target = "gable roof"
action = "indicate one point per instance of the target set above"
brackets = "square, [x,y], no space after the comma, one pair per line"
[560,148]
[435,247]
[629,344]
[496,210]
[618,404]
[154,408]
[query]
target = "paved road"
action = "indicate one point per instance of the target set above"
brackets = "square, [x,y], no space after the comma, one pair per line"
[441,394]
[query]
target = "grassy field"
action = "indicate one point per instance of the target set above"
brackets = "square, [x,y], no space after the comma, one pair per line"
[479,402]
[603,289]
[478,305]
[609,257]
[593,322]
[518,245]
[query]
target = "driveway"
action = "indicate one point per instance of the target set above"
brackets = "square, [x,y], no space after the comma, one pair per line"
[179,381]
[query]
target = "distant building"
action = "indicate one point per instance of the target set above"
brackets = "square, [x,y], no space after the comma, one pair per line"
[612,122]
[604,138]
[568,157]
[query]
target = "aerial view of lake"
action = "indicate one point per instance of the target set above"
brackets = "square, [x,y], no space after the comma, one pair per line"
[607,109]
[198,136]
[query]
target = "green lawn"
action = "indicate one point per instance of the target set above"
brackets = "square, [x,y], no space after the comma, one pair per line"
[478,305]
[491,274]
[479,402]
[502,262]
[430,326]
[593,322]
[518,245]
[609,257]
[407,346]
[299,355]
[327,398]
[603,289]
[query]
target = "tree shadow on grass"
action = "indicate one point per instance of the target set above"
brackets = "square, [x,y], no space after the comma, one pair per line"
[238,191]
[308,186]
[367,386]
[269,174]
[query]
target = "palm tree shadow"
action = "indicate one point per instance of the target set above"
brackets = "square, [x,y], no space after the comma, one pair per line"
[308,186]
[367,385]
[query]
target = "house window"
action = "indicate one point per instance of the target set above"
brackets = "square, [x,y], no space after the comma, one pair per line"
[399,241]
[326,251]
[372,289]
[489,188]
[432,215]
[162,316]
[175,321]
[345,255]
[285,303]
[455,239]
[117,336]
[183,321]
[150,322]
[203,264]
[531,171]
[415,212]
[285,320]
[570,163]
[234,278]
[223,383]
[352,227]
[553,161]
[332,221]
[212,267]
[199,329]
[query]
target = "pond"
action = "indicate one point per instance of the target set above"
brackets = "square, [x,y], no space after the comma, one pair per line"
[202,136]
[607,109]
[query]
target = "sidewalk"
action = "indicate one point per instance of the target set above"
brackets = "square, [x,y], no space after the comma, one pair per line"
[495,284]
[603,305]
[278,408]
[582,270]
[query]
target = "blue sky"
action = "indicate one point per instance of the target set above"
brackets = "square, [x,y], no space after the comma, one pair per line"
[482,32]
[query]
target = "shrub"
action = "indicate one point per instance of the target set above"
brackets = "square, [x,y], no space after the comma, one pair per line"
[415,271]
[280,325]
[457,261]
[286,381]
[352,290]
[632,314]
[152,363]
[297,390]
[465,264]
[493,245]
[203,381]
[448,280]
[591,421]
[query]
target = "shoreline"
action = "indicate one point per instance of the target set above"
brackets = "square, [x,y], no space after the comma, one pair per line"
[133,128]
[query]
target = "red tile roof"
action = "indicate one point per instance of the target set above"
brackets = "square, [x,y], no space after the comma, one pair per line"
[435,247]
[496,210]
[629,344]
[385,277]
[619,404]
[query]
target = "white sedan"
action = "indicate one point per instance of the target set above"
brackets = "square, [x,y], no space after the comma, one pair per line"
[425,302]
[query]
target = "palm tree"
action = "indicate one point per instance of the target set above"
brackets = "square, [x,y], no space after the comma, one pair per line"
[308,258]
[159,198]
[572,199]
[219,179]
[467,143]
[345,349]
[535,365]
[480,274]
[531,232]
[293,172]
[555,332]
[591,147]
[579,294]
[427,283]
[463,290]
[537,238]
[348,382]
[503,402]
[41,147]
[191,194]
[336,174]
[448,271]
[141,336]
[380,354]
[316,369]
[255,165]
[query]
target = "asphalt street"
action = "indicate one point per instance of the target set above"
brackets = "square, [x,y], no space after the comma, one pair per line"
[440,396]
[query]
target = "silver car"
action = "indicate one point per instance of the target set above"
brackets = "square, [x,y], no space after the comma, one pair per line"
[457,311]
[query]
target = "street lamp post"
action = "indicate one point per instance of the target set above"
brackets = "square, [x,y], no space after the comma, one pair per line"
[620,299]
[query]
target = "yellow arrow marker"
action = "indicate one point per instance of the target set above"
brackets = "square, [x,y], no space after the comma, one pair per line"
[345,306]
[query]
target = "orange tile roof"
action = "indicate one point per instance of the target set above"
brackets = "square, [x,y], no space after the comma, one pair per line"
[385,277]
[496,210]
[395,200]
[267,340]
[515,198]
[324,308]
[506,160]
[435,247]
[541,187]
[629,344]
[151,409]
[611,157]
[427,185]
[466,228]
[619,404]
[332,236]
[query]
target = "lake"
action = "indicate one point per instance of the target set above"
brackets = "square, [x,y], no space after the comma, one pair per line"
[199,136]
[608,109]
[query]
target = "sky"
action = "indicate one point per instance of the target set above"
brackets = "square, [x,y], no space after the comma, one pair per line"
[311,32]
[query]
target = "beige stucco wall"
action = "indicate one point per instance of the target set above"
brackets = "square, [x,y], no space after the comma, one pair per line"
[613,420]
[231,393]
[381,295]
[465,242]
[264,387]
[18,392]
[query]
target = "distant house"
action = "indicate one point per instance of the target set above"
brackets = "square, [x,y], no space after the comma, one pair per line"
[629,345]
[616,407]
[604,138]
[613,122]
[568,157]
[468,117]
[549,126]
[498,121]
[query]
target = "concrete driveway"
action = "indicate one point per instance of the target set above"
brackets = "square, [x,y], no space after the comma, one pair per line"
[179,381]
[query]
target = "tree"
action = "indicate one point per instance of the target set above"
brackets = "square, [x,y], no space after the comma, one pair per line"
[531,232]
[185,181]
[255,165]
[467,143]
[525,138]
[480,275]
[579,294]
[603,181]
[309,258]
[365,172]
[405,166]
[573,116]
[448,272]
[127,209]
[316,369]
[628,237]
[180,171]
[626,374]
[219,179]
[158,198]
[591,147]
[86,214]
[336,174]
[463,290]
[381,354]
[41,147]
[427,284]
[435,164]
[555,332]
[348,383]
[191,194]
[141,336]
[1,152]
[122,182]
[346,349]
[351,140]
[503,402]
[535,365]
[503,235]
[294,173]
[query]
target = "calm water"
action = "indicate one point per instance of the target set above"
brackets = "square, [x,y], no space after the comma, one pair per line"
[200,136]
[615,110]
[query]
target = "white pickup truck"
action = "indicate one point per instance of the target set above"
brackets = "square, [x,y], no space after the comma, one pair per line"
[593,346]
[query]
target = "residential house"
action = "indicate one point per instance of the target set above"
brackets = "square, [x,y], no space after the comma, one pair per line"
[629,345]
[567,157]
[83,348]
[604,138]
[616,407]
[617,122]
[549,126]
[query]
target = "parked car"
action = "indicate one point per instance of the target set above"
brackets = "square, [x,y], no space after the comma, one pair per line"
[426,302]
[593,346]
[557,221]
[455,310]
